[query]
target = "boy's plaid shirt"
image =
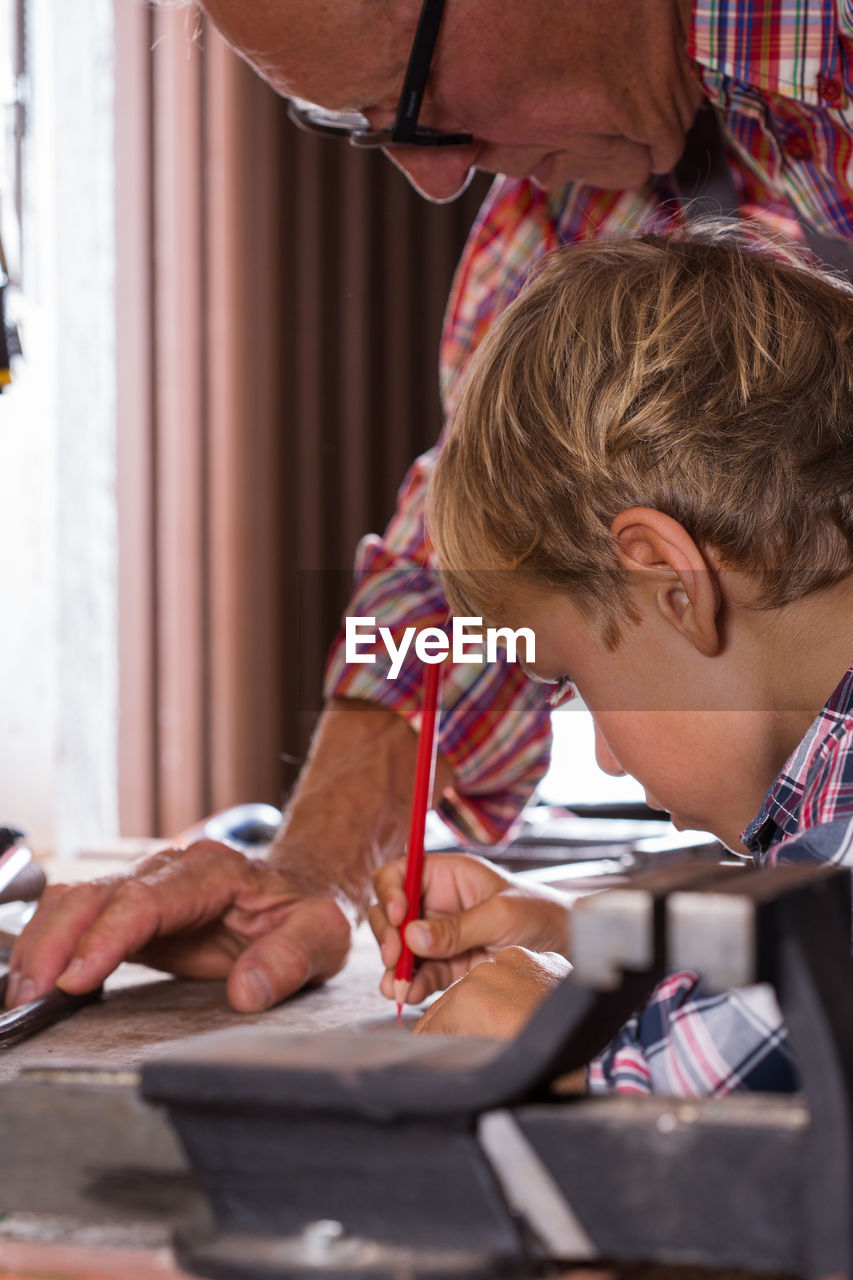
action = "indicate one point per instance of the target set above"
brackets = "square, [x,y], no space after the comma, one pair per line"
[687,1043]
[780,74]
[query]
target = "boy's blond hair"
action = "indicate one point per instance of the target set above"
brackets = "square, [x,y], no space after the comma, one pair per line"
[710,383]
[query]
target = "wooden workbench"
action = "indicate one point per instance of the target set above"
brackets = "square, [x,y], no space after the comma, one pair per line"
[67,1092]
[69,1099]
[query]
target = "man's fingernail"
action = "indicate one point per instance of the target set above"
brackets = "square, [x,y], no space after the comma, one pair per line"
[418,937]
[26,991]
[73,971]
[256,986]
[12,983]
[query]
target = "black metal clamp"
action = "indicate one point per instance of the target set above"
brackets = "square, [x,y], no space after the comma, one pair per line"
[371,1153]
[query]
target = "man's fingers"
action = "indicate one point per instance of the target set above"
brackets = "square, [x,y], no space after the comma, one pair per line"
[192,909]
[126,923]
[310,946]
[49,940]
[167,893]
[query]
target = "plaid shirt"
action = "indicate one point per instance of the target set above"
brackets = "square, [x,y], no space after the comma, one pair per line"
[688,1043]
[780,74]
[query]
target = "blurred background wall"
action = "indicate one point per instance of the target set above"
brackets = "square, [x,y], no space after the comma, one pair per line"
[59,673]
[279,302]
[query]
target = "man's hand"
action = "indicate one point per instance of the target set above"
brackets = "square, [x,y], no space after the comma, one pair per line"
[208,912]
[471,910]
[202,912]
[497,998]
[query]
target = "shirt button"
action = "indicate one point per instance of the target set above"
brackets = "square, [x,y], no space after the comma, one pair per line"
[829,88]
[797,147]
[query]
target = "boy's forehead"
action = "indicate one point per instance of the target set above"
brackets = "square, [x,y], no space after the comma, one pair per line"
[344,54]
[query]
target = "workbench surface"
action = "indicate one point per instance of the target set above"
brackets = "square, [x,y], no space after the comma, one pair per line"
[69,1111]
[142,1010]
[53,1119]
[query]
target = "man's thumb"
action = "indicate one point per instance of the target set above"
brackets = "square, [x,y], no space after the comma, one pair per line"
[309,946]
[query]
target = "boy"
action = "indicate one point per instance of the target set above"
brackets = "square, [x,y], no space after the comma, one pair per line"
[652,467]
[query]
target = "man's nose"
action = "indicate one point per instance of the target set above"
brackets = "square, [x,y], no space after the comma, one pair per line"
[604,757]
[438,173]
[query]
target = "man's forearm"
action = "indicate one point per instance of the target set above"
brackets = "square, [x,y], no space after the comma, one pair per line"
[350,810]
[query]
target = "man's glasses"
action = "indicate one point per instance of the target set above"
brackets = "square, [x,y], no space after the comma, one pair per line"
[406,131]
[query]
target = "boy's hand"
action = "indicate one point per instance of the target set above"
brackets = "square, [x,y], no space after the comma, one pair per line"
[497,998]
[471,910]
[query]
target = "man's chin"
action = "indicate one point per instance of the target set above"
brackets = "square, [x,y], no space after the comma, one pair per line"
[557,169]
[542,174]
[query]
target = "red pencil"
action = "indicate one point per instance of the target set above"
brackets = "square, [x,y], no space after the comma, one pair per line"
[424,779]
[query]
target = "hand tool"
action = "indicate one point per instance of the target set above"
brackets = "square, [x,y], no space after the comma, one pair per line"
[26,1019]
[22,879]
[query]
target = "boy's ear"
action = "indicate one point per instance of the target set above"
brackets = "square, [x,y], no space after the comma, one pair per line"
[674,570]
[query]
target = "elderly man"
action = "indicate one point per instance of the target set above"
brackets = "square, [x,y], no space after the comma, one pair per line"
[585,108]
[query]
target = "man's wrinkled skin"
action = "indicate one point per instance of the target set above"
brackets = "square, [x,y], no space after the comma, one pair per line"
[208,911]
[605,95]
[595,91]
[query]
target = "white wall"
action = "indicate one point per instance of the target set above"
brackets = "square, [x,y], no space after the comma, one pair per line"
[58,646]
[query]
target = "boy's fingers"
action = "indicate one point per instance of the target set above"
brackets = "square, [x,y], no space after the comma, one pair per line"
[431,976]
[442,937]
[388,881]
[387,937]
[310,946]
[396,906]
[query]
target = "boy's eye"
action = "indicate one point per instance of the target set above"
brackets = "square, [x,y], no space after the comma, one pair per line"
[563,692]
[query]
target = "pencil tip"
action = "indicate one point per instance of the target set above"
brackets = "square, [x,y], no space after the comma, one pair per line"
[401,993]
[399,1009]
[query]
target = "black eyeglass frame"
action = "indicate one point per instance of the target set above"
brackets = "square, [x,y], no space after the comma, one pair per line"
[406,132]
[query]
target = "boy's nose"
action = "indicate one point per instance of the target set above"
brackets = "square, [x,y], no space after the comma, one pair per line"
[438,173]
[604,757]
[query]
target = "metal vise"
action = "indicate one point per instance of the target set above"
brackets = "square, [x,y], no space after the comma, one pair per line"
[371,1153]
